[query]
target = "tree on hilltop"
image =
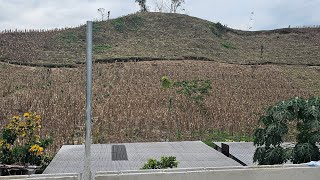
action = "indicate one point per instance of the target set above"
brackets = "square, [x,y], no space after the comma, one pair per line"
[101,11]
[162,5]
[142,4]
[175,4]
[168,5]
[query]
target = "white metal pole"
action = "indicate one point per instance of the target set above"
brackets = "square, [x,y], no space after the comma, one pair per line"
[87,159]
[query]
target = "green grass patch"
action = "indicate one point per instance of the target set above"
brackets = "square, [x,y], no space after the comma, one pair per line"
[97,26]
[127,23]
[210,143]
[101,48]
[220,136]
[118,24]
[135,21]
[227,45]
[217,29]
[69,37]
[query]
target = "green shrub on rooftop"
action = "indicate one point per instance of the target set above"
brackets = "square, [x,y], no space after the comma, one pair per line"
[164,163]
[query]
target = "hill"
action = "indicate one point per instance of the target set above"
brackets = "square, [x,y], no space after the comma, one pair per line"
[147,36]
[128,103]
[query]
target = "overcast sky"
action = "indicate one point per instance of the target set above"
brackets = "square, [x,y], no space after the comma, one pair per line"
[268,14]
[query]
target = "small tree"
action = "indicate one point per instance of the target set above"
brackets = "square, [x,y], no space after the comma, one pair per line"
[142,4]
[101,11]
[175,4]
[305,114]
[162,5]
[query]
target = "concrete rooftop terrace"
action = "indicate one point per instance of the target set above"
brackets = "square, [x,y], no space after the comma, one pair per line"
[114,157]
[243,152]
[240,151]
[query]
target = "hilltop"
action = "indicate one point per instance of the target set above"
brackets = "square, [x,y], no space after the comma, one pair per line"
[161,36]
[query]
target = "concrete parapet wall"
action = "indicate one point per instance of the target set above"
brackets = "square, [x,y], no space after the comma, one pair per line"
[43,177]
[292,172]
[253,173]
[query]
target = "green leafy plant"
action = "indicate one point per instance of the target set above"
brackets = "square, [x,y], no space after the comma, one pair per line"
[194,89]
[269,138]
[164,163]
[20,142]
[179,135]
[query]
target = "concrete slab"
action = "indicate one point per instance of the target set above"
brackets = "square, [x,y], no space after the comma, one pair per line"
[244,173]
[242,151]
[190,154]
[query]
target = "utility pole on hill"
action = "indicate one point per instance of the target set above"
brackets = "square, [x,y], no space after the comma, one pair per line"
[251,21]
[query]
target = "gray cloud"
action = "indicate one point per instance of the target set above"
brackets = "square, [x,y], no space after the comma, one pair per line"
[267,14]
[34,14]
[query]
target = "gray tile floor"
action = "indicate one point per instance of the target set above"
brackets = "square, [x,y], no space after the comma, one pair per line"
[190,154]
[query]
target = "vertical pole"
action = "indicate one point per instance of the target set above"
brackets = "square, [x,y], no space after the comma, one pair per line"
[87,158]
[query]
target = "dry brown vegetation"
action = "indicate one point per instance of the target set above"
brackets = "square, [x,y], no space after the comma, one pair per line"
[166,36]
[129,105]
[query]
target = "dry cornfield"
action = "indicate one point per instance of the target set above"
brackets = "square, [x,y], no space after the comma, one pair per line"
[130,106]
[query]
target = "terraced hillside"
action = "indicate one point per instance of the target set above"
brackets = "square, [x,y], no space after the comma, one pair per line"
[128,103]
